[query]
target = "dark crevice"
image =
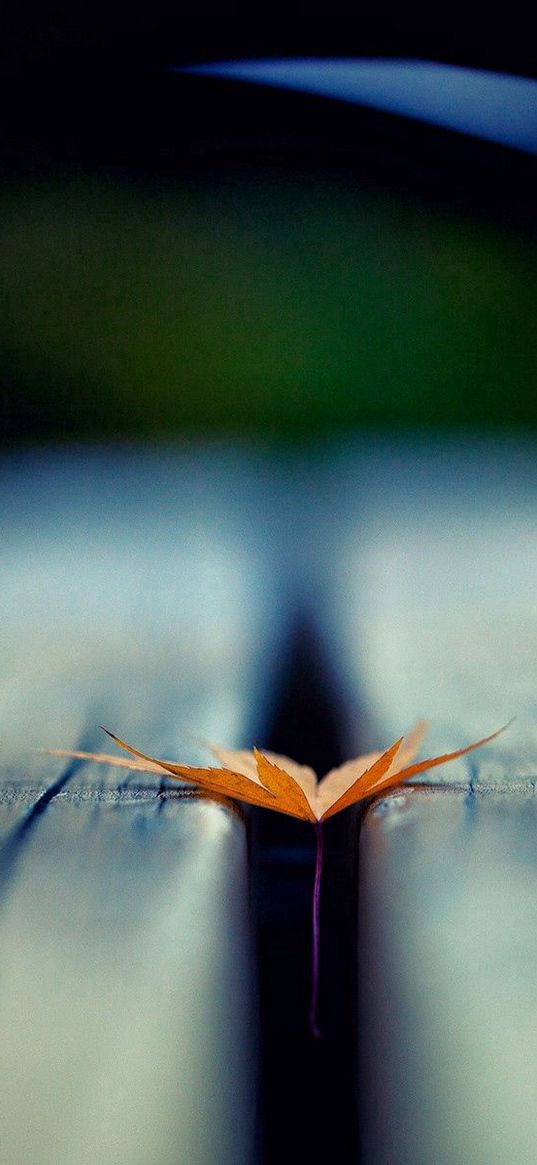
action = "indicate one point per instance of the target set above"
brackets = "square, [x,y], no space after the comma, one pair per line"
[308,1087]
[306,713]
[12,848]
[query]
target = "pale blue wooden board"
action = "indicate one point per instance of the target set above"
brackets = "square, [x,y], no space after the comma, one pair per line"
[427,591]
[447,959]
[126,1006]
[428,597]
[142,589]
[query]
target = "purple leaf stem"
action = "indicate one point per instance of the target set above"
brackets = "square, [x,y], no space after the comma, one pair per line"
[316,933]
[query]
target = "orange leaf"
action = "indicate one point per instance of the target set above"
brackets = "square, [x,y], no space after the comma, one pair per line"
[277,783]
[432,762]
[359,788]
[218,780]
[291,797]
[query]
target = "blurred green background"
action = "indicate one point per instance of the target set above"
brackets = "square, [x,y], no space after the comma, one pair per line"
[189,255]
[182,255]
[285,304]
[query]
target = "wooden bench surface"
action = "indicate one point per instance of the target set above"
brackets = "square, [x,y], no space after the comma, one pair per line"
[152,592]
[448,975]
[138,591]
[431,611]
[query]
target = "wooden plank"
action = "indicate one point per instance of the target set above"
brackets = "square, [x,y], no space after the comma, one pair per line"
[429,584]
[141,590]
[126,998]
[448,958]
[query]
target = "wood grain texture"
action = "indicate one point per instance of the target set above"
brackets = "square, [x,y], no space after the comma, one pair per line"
[430,607]
[126,1002]
[141,590]
[448,958]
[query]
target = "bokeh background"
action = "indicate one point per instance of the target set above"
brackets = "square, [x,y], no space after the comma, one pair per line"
[182,255]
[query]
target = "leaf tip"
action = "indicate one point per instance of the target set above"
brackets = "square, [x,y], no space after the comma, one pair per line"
[108,733]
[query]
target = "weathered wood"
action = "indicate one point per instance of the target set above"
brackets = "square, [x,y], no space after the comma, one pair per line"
[428,585]
[139,590]
[126,1001]
[430,609]
[448,958]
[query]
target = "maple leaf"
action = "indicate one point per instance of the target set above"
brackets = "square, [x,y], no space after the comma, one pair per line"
[276,782]
[279,783]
